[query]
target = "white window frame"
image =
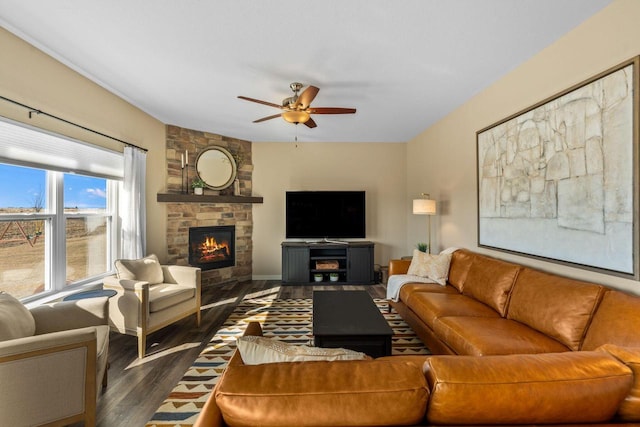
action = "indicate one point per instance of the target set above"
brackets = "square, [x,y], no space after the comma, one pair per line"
[54,218]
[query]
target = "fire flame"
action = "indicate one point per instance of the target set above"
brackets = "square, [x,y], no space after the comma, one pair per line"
[211,249]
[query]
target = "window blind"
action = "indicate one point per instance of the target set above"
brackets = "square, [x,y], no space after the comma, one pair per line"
[29,146]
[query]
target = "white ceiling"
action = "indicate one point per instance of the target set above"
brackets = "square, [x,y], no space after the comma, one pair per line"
[402,64]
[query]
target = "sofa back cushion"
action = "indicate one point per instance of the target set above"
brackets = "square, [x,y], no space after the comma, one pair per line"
[490,281]
[617,321]
[558,307]
[147,269]
[550,388]
[461,261]
[359,393]
[15,320]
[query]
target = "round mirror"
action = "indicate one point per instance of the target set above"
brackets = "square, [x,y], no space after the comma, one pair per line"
[216,167]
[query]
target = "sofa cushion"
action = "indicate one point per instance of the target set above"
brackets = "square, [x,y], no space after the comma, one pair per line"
[256,350]
[434,267]
[360,393]
[430,306]
[147,269]
[617,321]
[556,306]
[629,410]
[461,261]
[481,336]
[407,291]
[572,387]
[166,295]
[490,281]
[16,320]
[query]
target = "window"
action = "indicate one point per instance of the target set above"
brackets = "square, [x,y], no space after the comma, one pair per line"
[53,239]
[58,226]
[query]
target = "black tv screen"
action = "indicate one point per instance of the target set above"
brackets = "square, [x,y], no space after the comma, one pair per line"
[325,214]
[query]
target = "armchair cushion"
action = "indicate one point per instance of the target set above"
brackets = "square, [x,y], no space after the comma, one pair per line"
[15,320]
[147,269]
[65,315]
[167,295]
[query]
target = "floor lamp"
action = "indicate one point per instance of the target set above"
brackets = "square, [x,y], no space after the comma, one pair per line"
[427,207]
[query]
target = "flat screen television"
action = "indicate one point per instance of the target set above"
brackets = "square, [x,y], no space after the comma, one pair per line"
[325,214]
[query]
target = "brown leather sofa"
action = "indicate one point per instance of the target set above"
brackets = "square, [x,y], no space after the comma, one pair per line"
[492,307]
[514,346]
[576,388]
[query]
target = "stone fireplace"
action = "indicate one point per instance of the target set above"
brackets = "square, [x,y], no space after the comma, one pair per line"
[183,216]
[212,247]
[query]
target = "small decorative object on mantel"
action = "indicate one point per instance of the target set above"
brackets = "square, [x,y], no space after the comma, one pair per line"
[198,186]
[236,187]
[184,163]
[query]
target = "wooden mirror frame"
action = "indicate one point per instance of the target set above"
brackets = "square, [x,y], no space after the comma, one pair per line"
[216,167]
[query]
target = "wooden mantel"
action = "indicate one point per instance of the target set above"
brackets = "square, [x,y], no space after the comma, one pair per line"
[205,198]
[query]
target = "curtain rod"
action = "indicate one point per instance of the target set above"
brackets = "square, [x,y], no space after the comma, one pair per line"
[36,111]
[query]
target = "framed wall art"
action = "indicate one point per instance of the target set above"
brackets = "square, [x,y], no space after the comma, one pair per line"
[559,180]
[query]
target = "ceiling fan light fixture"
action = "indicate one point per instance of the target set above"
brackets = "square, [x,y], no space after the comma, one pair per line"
[296,116]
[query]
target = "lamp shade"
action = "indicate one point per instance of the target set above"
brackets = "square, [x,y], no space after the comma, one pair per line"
[296,116]
[424,207]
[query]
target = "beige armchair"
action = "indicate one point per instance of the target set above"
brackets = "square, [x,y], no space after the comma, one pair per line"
[151,296]
[51,359]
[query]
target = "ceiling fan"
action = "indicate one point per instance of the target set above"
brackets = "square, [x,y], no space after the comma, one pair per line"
[297,108]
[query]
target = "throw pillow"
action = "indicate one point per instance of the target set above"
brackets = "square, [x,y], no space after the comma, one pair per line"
[15,320]
[256,350]
[147,269]
[434,267]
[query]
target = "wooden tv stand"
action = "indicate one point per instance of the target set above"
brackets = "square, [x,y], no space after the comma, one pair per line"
[354,259]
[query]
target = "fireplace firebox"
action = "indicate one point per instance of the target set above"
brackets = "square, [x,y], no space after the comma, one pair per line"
[212,247]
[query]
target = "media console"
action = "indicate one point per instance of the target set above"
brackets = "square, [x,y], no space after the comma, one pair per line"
[354,261]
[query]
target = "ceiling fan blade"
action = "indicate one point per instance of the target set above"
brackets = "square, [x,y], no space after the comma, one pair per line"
[306,97]
[266,118]
[331,110]
[270,104]
[310,123]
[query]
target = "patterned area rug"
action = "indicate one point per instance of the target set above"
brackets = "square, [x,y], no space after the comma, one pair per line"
[287,320]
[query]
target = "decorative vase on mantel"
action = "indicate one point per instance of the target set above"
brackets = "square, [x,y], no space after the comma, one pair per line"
[236,187]
[198,190]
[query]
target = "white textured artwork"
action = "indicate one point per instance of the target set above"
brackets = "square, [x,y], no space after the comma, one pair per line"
[558,182]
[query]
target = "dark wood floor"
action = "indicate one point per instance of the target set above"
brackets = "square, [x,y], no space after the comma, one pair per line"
[137,387]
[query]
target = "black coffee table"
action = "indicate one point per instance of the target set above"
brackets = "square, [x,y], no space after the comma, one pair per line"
[350,319]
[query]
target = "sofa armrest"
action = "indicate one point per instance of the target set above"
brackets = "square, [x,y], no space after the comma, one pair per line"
[49,379]
[210,415]
[181,274]
[399,266]
[65,315]
[112,282]
[47,343]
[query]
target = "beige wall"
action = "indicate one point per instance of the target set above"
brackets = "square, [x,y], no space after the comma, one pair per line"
[377,168]
[29,76]
[443,158]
